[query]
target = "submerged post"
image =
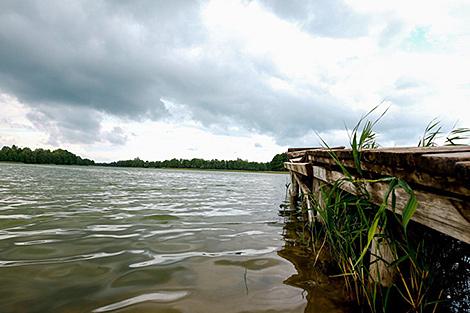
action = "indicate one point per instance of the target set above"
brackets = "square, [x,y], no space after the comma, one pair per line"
[310,212]
[293,191]
[381,256]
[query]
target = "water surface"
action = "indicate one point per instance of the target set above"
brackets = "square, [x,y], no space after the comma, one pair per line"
[91,239]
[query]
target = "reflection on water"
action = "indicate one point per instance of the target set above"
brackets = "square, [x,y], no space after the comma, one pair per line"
[163,296]
[323,293]
[90,239]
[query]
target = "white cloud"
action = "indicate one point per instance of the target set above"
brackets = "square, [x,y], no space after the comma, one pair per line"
[15,127]
[150,140]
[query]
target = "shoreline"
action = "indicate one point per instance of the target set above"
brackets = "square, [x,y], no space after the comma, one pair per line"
[157,168]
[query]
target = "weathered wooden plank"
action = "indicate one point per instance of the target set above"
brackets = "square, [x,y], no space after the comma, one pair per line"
[443,163]
[463,170]
[389,156]
[294,186]
[301,149]
[457,155]
[436,171]
[300,168]
[296,154]
[411,158]
[435,211]
[311,148]
[296,160]
[419,150]
[302,182]
[300,152]
[326,153]
[456,182]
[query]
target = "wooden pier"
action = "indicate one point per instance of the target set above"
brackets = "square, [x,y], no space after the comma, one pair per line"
[439,177]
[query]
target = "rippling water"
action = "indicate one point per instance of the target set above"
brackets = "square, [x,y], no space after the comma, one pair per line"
[90,239]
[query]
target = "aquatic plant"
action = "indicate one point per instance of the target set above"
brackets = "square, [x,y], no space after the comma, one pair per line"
[457,136]
[351,223]
[431,133]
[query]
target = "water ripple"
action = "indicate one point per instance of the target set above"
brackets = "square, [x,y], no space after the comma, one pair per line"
[36,242]
[15,216]
[182,230]
[56,231]
[177,257]
[245,233]
[67,232]
[118,227]
[59,260]
[162,296]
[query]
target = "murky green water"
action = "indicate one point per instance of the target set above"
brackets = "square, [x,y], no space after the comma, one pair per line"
[90,239]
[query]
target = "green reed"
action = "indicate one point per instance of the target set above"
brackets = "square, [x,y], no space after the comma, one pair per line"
[457,136]
[351,222]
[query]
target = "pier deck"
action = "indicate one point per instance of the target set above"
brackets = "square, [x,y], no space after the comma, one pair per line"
[439,177]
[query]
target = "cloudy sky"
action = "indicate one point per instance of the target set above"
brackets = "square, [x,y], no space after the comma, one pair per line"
[225,79]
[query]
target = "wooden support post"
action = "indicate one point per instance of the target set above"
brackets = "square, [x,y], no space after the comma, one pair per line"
[317,189]
[381,257]
[310,213]
[293,191]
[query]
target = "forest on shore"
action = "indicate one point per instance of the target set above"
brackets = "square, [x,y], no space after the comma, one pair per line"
[41,156]
[64,157]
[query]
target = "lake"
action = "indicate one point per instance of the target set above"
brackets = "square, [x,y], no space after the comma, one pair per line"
[93,239]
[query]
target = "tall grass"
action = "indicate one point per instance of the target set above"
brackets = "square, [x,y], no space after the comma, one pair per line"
[351,223]
[457,136]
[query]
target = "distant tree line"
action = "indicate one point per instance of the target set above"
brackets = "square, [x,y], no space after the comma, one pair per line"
[277,164]
[64,157]
[41,156]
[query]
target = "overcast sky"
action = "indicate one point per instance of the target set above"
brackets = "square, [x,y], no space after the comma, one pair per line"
[225,79]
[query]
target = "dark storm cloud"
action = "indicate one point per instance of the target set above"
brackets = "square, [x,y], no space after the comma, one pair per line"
[328,18]
[83,54]
[238,94]
[116,136]
[67,123]
[73,62]
[74,124]
[105,56]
